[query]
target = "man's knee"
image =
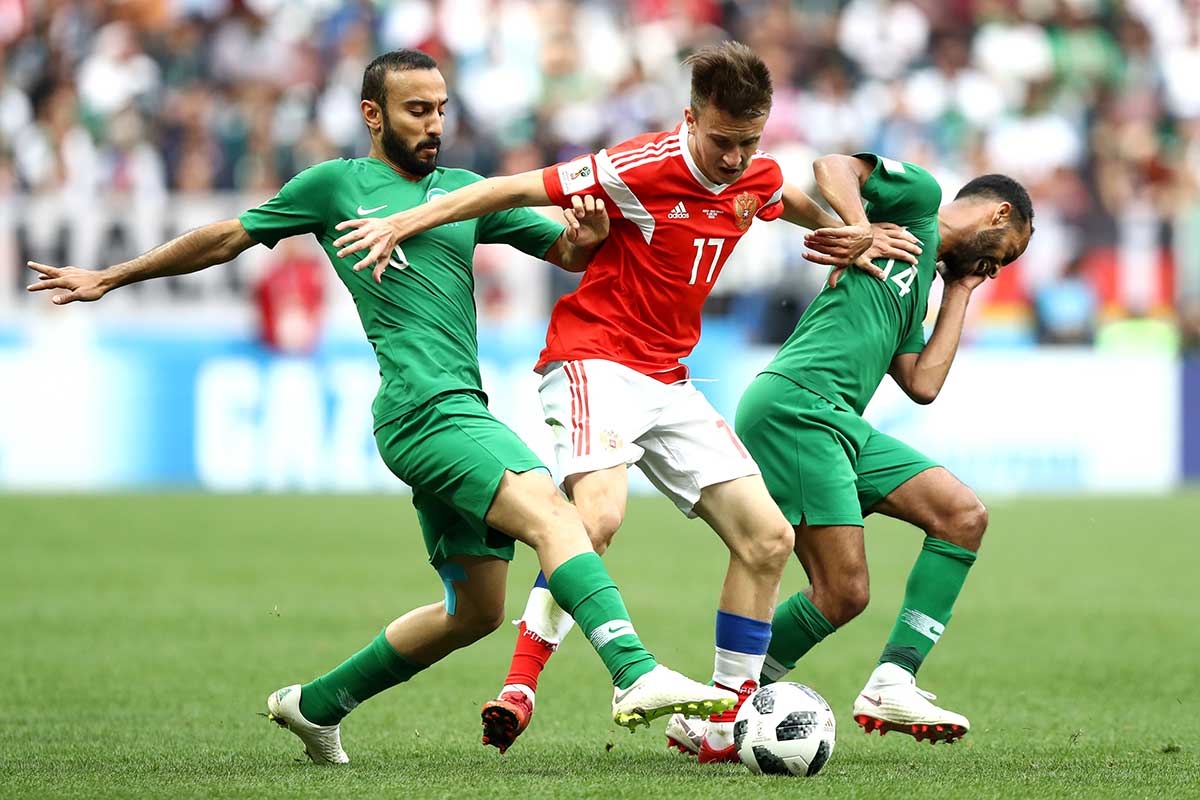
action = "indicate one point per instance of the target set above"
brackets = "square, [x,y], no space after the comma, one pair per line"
[470,623]
[844,599]
[600,498]
[765,545]
[602,520]
[963,522]
[531,503]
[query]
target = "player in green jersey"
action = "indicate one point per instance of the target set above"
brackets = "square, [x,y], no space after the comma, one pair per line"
[476,486]
[827,467]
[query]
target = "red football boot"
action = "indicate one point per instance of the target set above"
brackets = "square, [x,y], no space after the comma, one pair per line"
[506,718]
[717,746]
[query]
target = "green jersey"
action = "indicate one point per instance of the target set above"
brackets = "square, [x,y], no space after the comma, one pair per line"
[421,319]
[847,338]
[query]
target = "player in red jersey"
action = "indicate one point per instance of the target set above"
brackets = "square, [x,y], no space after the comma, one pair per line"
[613,390]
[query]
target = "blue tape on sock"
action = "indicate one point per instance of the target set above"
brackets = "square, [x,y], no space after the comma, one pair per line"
[541,582]
[742,634]
[450,573]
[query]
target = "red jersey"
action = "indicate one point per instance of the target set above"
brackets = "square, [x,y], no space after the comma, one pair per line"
[672,230]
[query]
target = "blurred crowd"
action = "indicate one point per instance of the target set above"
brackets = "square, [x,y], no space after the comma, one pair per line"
[1094,104]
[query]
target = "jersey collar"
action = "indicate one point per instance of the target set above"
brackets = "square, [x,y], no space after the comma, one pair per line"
[715,188]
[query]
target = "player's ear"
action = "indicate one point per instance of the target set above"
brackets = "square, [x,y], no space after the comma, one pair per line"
[689,117]
[1002,214]
[372,115]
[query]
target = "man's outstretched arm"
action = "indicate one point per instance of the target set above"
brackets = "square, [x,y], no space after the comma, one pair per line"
[195,250]
[382,234]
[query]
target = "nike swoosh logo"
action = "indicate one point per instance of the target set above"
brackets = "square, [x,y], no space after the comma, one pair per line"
[872,700]
[620,696]
[615,628]
[362,212]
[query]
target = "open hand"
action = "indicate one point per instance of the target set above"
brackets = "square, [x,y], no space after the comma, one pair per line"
[838,246]
[84,285]
[380,234]
[587,221]
[888,240]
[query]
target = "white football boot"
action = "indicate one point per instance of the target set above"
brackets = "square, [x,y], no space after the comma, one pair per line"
[685,734]
[661,691]
[322,743]
[891,701]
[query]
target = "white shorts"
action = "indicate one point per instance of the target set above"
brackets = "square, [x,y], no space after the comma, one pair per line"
[603,414]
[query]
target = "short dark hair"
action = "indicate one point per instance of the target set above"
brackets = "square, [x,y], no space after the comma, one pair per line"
[396,61]
[732,77]
[1005,189]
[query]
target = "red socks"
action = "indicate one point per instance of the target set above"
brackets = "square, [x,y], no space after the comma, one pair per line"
[529,659]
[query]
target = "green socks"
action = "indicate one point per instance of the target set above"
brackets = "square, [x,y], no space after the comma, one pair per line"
[797,628]
[933,586]
[365,674]
[581,587]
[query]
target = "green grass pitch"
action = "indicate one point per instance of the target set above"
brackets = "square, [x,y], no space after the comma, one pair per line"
[141,634]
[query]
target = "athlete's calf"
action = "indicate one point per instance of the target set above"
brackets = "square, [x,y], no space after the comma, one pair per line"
[835,560]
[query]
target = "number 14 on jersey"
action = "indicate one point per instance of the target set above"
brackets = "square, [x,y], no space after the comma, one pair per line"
[904,279]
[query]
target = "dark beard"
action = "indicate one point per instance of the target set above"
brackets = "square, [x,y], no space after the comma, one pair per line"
[405,157]
[965,258]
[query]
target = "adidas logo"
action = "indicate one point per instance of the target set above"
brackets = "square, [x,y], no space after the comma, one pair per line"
[679,212]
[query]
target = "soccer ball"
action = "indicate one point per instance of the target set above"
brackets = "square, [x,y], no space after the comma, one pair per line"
[784,729]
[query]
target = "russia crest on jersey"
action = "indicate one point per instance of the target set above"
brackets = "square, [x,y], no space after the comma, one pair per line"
[745,206]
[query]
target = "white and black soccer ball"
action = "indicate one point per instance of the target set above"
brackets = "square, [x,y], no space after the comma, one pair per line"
[784,729]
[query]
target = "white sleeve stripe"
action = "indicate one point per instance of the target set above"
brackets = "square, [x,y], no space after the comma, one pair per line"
[638,151]
[631,208]
[641,151]
[632,153]
[628,165]
[775,198]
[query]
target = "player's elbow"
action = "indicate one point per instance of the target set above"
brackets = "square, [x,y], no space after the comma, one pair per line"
[573,260]
[821,167]
[567,256]
[833,161]
[919,390]
[838,164]
[922,393]
[231,239]
[826,161]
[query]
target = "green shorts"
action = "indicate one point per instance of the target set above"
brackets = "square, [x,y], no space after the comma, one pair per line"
[821,464]
[453,453]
